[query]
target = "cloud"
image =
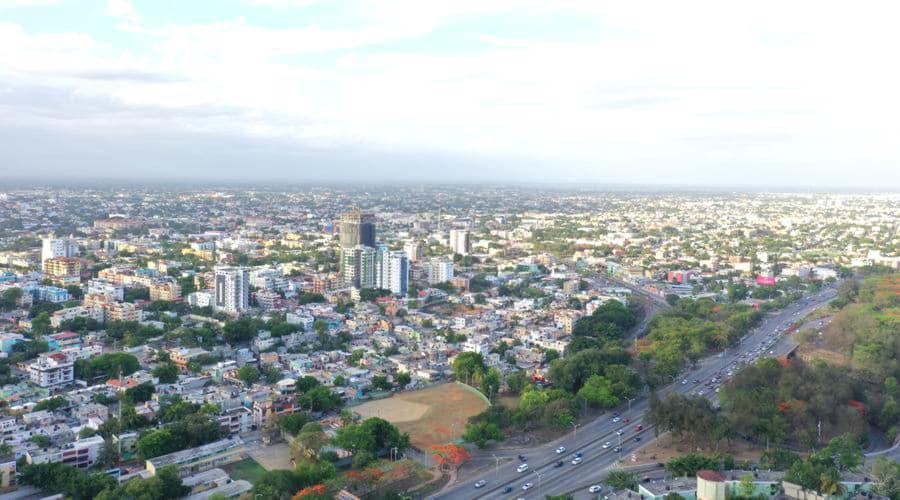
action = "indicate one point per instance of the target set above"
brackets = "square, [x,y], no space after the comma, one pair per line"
[122,9]
[502,82]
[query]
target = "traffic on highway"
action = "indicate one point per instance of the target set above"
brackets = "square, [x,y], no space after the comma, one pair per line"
[577,463]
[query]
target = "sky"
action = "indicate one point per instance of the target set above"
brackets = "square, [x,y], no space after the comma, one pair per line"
[754,94]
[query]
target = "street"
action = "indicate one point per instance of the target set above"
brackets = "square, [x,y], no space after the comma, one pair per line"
[591,440]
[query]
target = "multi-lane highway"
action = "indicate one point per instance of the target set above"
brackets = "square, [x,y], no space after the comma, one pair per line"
[597,441]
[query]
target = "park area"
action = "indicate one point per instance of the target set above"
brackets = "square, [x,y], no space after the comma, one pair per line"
[436,415]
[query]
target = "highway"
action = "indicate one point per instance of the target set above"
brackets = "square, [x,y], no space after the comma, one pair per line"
[590,440]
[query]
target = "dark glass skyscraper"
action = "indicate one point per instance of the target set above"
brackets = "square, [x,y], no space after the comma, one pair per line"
[357,228]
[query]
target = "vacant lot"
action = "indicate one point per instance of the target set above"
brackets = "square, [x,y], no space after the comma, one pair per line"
[247,469]
[436,415]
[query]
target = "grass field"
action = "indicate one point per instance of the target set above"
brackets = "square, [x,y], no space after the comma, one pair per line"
[436,415]
[247,469]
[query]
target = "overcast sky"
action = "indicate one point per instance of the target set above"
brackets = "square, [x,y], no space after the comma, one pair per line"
[760,93]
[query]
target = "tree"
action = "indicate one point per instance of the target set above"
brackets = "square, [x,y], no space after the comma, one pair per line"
[450,455]
[51,404]
[481,433]
[248,374]
[846,451]
[306,383]
[402,379]
[167,373]
[886,473]
[621,480]
[240,331]
[516,381]
[292,423]
[109,365]
[466,365]
[141,392]
[490,382]
[369,438]
[745,487]
[381,383]
[191,431]
[312,438]
[320,398]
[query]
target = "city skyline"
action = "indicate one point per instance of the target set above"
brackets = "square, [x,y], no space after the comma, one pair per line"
[273,90]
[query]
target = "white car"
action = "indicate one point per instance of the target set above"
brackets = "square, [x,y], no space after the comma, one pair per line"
[522,468]
[576,461]
[619,432]
[527,486]
[606,445]
[595,488]
[480,483]
[561,449]
[616,419]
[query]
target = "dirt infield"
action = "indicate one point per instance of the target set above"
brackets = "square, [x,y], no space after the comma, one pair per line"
[436,415]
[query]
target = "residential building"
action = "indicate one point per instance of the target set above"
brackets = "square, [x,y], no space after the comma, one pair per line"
[60,267]
[52,248]
[439,270]
[414,250]
[80,454]
[460,241]
[358,266]
[357,228]
[167,290]
[232,289]
[52,370]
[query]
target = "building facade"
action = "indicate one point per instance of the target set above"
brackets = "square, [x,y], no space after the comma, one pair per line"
[232,289]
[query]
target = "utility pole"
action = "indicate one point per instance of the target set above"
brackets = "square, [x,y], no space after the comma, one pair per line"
[496,465]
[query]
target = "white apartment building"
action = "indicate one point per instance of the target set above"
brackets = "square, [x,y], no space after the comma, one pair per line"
[110,290]
[414,250]
[392,271]
[301,318]
[81,453]
[200,299]
[232,289]
[460,241]
[52,248]
[439,270]
[52,370]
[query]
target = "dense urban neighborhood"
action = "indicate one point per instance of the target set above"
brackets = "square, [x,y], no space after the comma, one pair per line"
[447,342]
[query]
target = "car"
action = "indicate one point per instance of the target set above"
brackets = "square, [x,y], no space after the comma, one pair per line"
[606,445]
[576,461]
[617,449]
[559,463]
[527,486]
[619,432]
[522,468]
[684,382]
[627,420]
[638,427]
[578,454]
[637,439]
[507,489]
[523,458]
[616,419]
[480,483]
[595,489]
[561,449]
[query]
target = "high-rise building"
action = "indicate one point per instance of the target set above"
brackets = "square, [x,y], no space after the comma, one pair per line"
[398,273]
[358,266]
[52,248]
[460,241]
[439,270]
[357,228]
[414,250]
[391,270]
[232,289]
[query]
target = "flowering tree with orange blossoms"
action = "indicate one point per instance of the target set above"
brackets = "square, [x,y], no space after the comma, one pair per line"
[316,492]
[450,455]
